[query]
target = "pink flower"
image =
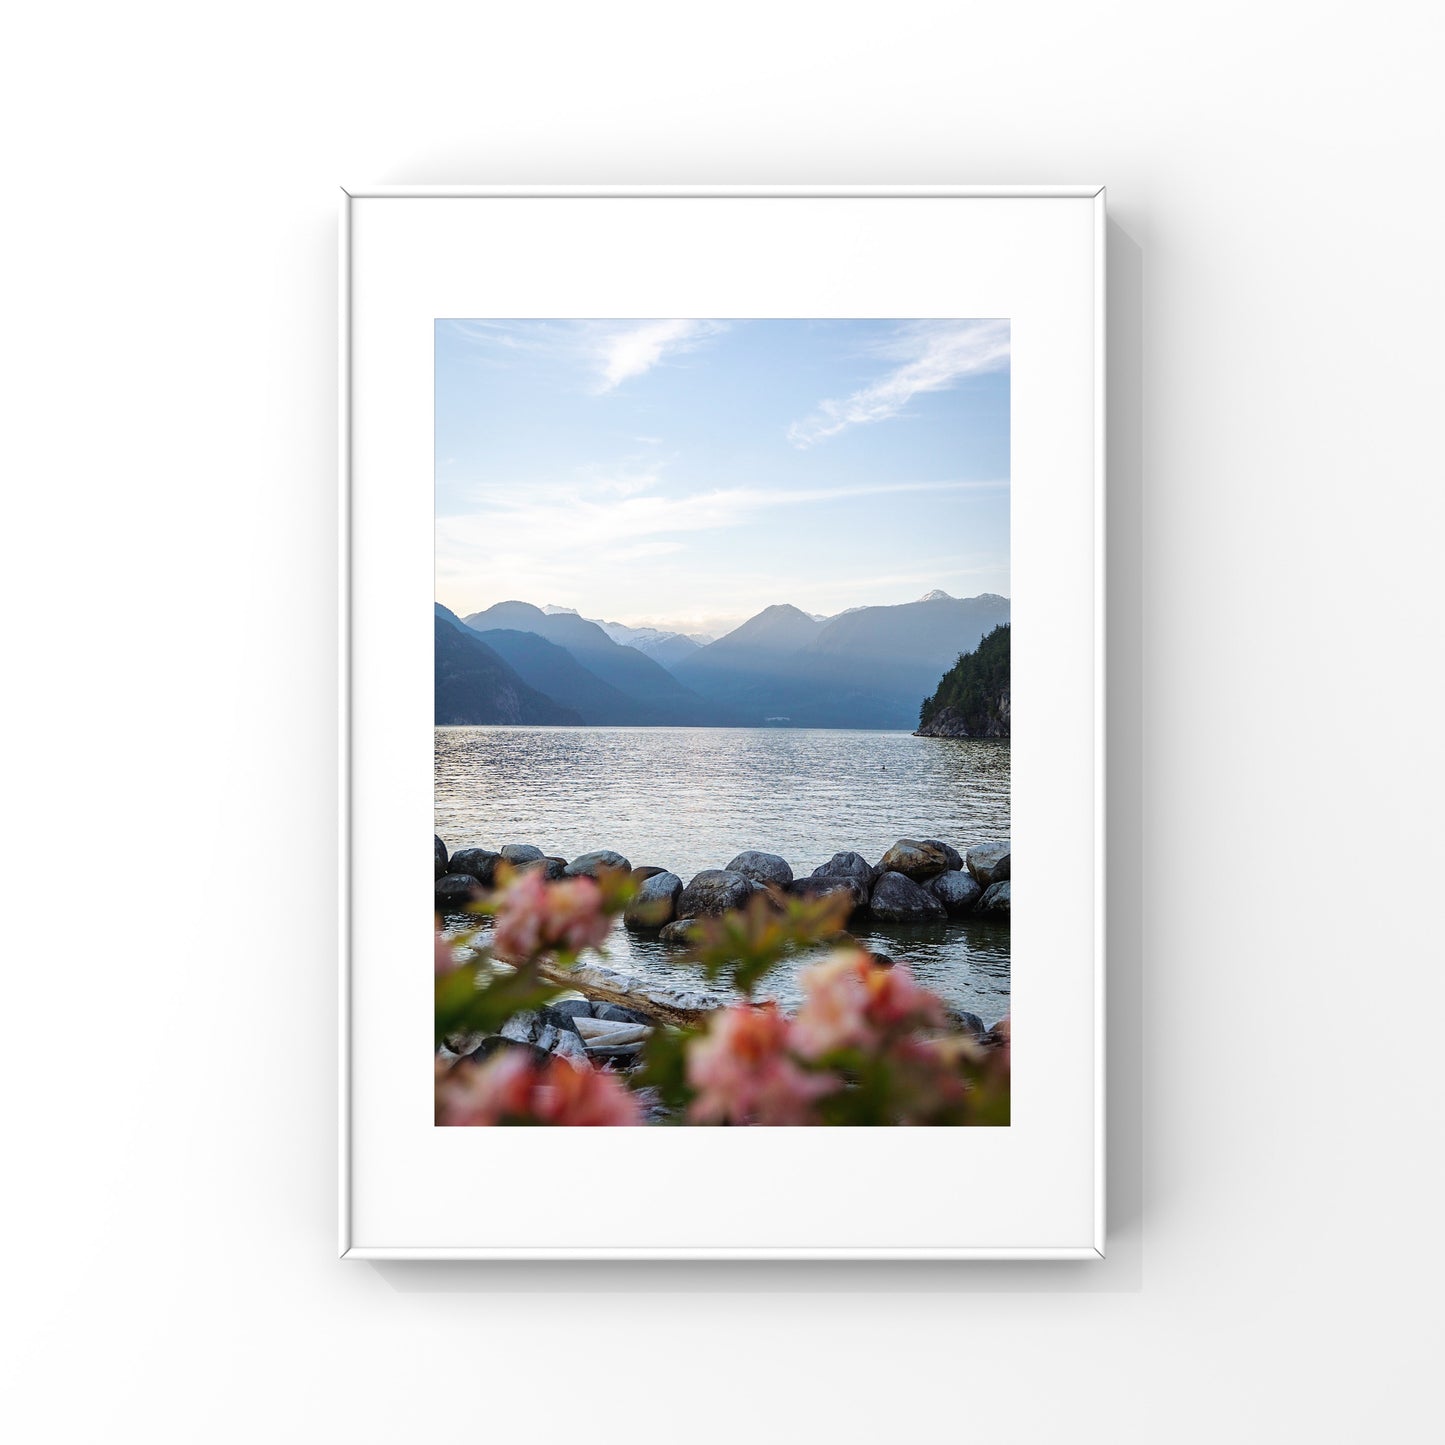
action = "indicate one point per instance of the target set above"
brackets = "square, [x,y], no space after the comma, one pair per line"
[743,1072]
[511,1089]
[535,916]
[852,1003]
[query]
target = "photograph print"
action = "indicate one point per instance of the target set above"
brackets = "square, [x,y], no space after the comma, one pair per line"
[722,722]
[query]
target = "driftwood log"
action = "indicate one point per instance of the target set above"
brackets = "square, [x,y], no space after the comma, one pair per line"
[639,1003]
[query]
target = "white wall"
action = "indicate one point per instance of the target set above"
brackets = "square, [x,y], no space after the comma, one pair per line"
[167,575]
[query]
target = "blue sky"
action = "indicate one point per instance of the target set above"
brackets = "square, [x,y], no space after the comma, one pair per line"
[687,474]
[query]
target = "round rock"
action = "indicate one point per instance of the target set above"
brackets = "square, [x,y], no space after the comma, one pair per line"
[454,891]
[714,890]
[640,875]
[481,863]
[898,899]
[762,868]
[441,857]
[956,891]
[518,853]
[681,933]
[589,865]
[918,861]
[955,858]
[989,862]
[654,905]
[816,887]
[550,868]
[967,1023]
[847,865]
[995,900]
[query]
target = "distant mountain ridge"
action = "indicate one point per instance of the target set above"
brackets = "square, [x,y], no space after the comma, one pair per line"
[868,667]
[752,660]
[659,698]
[474,685]
[556,673]
[658,643]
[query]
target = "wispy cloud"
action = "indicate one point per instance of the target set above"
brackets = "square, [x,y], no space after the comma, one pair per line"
[609,352]
[525,540]
[932,356]
[635,348]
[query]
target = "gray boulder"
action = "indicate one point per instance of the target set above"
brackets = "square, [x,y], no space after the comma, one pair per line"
[550,868]
[589,865]
[655,902]
[713,891]
[454,891]
[816,887]
[561,1014]
[898,899]
[641,875]
[762,868]
[441,857]
[847,865]
[918,861]
[681,933]
[989,862]
[956,891]
[955,858]
[519,853]
[995,900]
[481,863]
[967,1023]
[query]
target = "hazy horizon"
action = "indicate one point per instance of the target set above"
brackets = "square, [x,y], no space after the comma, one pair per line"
[685,475]
[714,634]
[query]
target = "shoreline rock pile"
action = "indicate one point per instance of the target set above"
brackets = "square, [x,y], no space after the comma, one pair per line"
[916,881]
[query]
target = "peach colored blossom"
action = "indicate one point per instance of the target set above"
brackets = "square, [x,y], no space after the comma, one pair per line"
[744,1075]
[512,1089]
[850,1002]
[534,917]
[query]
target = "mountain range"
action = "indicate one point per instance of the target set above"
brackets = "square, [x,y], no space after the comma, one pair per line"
[654,642]
[869,667]
[475,685]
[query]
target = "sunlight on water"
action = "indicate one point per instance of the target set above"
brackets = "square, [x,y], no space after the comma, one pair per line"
[692,798]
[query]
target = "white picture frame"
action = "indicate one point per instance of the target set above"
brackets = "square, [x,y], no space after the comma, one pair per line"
[1035,254]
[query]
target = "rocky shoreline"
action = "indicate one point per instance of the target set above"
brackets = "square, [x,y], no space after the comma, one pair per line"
[948,722]
[915,881]
[606,1016]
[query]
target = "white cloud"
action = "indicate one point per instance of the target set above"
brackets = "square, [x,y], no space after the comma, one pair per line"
[520,541]
[934,356]
[612,351]
[633,349]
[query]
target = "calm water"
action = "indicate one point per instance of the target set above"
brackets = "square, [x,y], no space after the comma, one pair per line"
[693,798]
